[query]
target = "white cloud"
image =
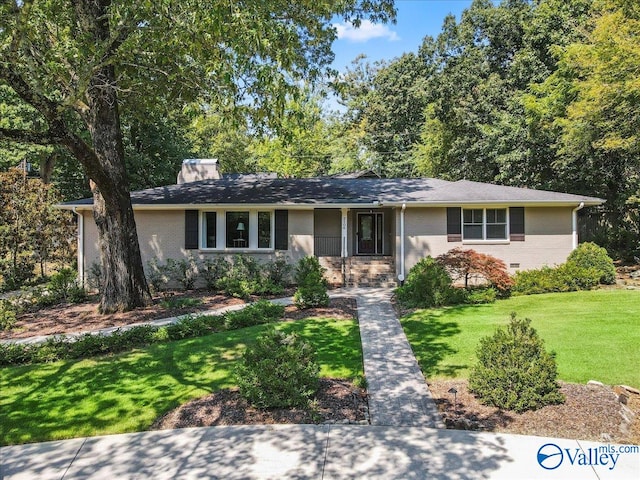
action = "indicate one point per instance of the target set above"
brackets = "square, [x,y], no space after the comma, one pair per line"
[365,32]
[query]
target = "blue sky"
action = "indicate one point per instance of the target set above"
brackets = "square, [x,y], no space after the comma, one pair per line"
[415,20]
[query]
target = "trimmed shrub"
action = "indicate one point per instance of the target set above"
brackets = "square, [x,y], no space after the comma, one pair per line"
[213,270]
[183,271]
[243,277]
[278,272]
[469,265]
[428,285]
[63,286]
[278,371]
[567,277]
[514,371]
[7,315]
[157,275]
[257,313]
[477,296]
[312,286]
[95,279]
[589,255]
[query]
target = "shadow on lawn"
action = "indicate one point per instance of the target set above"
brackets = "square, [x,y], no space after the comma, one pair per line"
[429,336]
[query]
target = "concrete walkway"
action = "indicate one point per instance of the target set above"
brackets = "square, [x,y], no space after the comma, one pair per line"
[306,452]
[398,392]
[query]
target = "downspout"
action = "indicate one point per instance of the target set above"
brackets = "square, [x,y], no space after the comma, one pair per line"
[80,246]
[401,276]
[574,225]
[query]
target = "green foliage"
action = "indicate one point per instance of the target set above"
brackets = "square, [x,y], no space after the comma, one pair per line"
[278,272]
[183,271]
[278,371]
[212,271]
[157,275]
[257,313]
[312,286]
[563,278]
[62,283]
[477,296]
[130,391]
[242,279]
[32,231]
[175,303]
[589,255]
[427,285]
[514,371]
[7,315]
[60,348]
[95,279]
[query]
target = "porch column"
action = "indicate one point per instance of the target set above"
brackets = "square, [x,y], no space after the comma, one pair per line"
[344,249]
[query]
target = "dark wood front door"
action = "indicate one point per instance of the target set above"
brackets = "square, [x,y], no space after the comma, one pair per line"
[370,228]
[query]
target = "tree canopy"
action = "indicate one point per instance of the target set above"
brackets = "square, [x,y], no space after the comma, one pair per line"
[82,64]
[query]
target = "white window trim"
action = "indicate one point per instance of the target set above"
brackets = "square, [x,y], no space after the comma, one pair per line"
[221,231]
[484,240]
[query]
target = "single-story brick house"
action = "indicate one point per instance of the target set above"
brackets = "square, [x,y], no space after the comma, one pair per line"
[364,230]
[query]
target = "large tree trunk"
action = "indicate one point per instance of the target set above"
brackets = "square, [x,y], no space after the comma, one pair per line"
[125,286]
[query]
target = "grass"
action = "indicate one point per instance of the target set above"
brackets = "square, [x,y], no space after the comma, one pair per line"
[127,392]
[595,334]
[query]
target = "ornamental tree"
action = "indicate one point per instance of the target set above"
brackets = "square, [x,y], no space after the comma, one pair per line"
[78,63]
[471,265]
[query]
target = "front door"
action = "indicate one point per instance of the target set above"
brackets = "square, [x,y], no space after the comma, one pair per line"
[370,228]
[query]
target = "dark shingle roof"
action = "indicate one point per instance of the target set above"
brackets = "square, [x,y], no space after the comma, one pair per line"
[328,190]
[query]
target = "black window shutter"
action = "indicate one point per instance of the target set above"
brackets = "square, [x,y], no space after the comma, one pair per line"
[191,229]
[516,224]
[282,230]
[454,224]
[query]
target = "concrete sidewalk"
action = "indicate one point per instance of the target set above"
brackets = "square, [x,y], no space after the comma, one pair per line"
[305,452]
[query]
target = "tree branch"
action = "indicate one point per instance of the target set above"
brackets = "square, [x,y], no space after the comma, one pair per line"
[28,136]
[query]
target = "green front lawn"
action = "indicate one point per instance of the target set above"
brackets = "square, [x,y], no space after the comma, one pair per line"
[127,392]
[595,334]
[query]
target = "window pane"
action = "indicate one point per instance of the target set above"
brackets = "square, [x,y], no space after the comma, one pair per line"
[497,231]
[472,232]
[495,215]
[473,216]
[237,224]
[264,229]
[210,230]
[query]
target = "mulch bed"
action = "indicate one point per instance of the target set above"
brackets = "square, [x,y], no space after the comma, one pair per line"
[68,318]
[337,401]
[590,412]
[339,308]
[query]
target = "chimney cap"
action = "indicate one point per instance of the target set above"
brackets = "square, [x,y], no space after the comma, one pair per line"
[200,161]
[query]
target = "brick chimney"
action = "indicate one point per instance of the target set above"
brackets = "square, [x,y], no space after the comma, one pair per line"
[194,169]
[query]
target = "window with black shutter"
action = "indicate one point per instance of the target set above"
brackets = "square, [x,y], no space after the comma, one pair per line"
[191,229]
[516,224]
[282,229]
[454,224]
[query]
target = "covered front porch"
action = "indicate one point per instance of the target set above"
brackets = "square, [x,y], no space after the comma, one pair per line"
[356,245]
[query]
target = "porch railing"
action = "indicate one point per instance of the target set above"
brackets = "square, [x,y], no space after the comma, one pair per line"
[327,246]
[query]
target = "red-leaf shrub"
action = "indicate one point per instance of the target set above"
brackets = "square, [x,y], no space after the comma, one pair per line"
[471,265]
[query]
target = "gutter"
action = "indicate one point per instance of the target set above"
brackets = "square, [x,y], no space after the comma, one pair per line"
[574,225]
[401,276]
[80,246]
